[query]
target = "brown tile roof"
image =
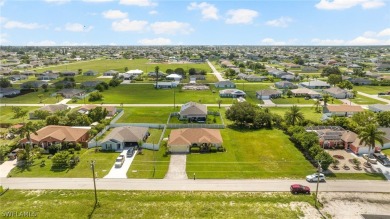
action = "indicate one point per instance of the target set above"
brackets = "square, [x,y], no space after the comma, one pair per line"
[344,108]
[189,136]
[127,134]
[57,133]
[349,136]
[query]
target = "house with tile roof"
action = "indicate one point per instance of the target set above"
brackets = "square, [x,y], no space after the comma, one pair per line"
[342,110]
[182,140]
[50,108]
[84,109]
[126,136]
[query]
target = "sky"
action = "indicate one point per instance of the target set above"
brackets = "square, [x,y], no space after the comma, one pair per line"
[186,22]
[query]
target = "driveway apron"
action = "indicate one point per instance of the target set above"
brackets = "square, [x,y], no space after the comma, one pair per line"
[177,167]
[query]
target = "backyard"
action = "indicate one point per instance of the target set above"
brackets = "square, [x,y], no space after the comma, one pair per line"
[149,165]
[33,97]
[7,116]
[154,115]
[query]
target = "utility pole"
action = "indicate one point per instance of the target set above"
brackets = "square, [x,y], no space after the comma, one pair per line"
[94,180]
[174,98]
[154,161]
[318,180]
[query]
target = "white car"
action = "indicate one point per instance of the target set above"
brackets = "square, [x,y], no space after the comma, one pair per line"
[314,177]
[370,159]
[119,161]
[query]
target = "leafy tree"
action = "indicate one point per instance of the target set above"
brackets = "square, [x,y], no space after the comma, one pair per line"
[293,116]
[192,71]
[364,118]
[384,119]
[169,71]
[230,73]
[25,132]
[369,134]
[41,114]
[242,113]
[262,120]
[52,120]
[19,112]
[330,70]
[79,71]
[298,60]
[126,69]
[4,83]
[313,151]
[334,79]
[359,72]
[345,85]
[325,159]
[97,114]
[45,87]
[95,96]
[60,160]
[317,106]
[289,93]
[156,70]
[180,71]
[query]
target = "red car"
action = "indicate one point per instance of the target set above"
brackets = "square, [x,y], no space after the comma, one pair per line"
[297,188]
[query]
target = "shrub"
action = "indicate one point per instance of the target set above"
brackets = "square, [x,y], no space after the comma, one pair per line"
[95,96]
[73,161]
[195,150]
[325,159]
[60,160]
[77,147]
[71,150]
[213,149]
[53,148]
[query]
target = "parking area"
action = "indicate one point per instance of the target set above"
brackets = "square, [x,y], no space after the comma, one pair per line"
[121,173]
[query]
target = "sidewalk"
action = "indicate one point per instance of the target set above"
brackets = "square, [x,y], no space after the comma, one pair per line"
[6,167]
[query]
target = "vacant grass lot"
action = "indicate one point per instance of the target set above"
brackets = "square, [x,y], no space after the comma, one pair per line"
[143,165]
[372,89]
[356,176]
[251,154]
[104,162]
[146,114]
[363,100]
[33,98]
[7,116]
[308,112]
[153,204]
[293,100]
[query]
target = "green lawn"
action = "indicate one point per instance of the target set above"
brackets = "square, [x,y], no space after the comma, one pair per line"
[33,98]
[363,100]
[387,152]
[104,162]
[143,165]
[372,89]
[146,114]
[155,135]
[356,176]
[6,114]
[152,204]
[308,112]
[268,154]
[293,100]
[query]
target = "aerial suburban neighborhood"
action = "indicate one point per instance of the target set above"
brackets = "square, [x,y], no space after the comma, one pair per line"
[289,129]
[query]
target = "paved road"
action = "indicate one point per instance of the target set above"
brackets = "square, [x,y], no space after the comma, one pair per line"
[192,185]
[215,72]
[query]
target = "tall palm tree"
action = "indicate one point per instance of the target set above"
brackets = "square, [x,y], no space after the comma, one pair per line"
[326,98]
[25,132]
[369,134]
[156,69]
[293,116]
[317,106]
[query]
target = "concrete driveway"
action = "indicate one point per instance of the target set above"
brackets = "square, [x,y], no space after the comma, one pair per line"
[177,167]
[6,167]
[120,173]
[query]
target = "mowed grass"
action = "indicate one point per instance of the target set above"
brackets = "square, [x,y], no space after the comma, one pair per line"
[33,98]
[363,100]
[293,100]
[7,116]
[308,112]
[103,163]
[149,165]
[356,176]
[152,204]
[372,89]
[157,115]
[251,154]
[387,152]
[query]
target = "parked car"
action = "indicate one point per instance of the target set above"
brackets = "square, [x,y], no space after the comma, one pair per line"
[370,159]
[119,161]
[383,159]
[130,152]
[297,188]
[314,177]
[13,154]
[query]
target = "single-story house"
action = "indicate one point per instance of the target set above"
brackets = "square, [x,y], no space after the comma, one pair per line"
[52,134]
[277,73]
[47,76]
[338,93]
[376,108]
[90,84]
[110,73]
[17,77]
[255,78]
[32,84]
[355,66]
[386,138]
[9,92]
[70,93]
[135,72]
[232,93]
[289,77]
[305,92]
[160,74]
[28,73]
[268,94]
[225,84]
[164,85]
[181,140]
[352,142]
[285,85]
[360,81]
[193,111]
[242,76]
[84,109]
[315,84]
[126,136]
[90,73]
[342,110]
[175,77]
[68,73]
[50,108]
[309,69]
[198,77]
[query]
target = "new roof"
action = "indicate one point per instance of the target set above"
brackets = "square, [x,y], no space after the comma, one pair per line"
[58,133]
[54,107]
[189,136]
[127,134]
[193,108]
[344,108]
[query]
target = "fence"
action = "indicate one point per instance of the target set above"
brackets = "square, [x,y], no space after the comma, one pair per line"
[119,115]
[196,125]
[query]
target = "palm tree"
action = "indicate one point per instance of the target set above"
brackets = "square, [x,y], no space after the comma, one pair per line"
[293,115]
[156,69]
[326,98]
[369,134]
[317,105]
[25,132]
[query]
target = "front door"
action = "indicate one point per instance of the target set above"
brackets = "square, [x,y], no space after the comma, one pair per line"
[118,146]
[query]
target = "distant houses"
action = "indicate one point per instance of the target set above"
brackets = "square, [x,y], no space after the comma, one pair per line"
[90,73]
[338,93]
[9,92]
[232,93]
[285,85]
[315,85]
[50,108]
[342,110]
[268,94]
[225,84]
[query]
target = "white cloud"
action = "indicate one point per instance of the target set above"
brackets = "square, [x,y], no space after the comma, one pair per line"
[363,41]
[2,2]
[209,11]
[114,14]
[3,19]
[327,42]
[42,43]
[57,29]
[127,25]
[97,1]
[171,27]
[280,22]
[241,16]
[142,3]
[3,38]
[155,41]
[385,32]
[76,27]
[57,1]
[270,41]
[21,25]
[345,4]
[153,12]
[369,34]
